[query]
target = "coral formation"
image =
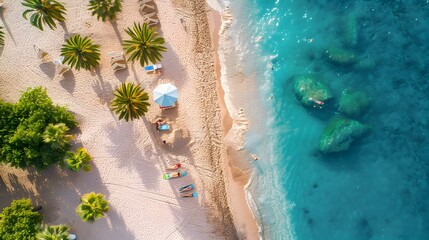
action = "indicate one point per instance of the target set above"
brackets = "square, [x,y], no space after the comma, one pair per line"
[310,91]
[340,133]
[341,56]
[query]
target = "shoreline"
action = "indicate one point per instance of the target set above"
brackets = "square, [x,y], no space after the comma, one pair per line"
[237,181]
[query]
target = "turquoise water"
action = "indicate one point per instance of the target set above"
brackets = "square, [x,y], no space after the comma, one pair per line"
[379,188]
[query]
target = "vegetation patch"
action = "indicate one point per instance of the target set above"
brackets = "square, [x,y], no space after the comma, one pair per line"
[33,131]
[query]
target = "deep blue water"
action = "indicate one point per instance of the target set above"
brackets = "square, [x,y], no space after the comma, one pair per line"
[379,188]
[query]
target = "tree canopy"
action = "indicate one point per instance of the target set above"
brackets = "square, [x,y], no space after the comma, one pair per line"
[19,221]
[22,128]
[145,45]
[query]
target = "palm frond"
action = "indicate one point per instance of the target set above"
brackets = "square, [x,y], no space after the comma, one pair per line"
[79,160]
[145,45]
[59,232]
[93,206]
[56,135]
[130,102]
[80,52]
[44,12]
[105,9]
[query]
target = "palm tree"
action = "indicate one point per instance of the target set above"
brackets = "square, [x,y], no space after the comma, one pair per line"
[56,135]
[93,207]
[44,12]
[59,232]
[1,37]
[80,52]
[145,44]
[130,102]
[105,9]
[78,160]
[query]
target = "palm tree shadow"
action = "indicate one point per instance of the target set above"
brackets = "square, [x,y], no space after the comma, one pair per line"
[115,28]
[135,73]
[103,89]
[68,82]
[6,26]
[122,74]
[64,26]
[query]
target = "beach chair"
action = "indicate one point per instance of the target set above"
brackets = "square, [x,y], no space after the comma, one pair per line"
[41,54]
[146,4]
[60,68]
[153,68]
[151,21]
[117,61]
[151,18]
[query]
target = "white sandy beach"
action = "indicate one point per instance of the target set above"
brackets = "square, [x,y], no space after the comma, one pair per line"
[128,157]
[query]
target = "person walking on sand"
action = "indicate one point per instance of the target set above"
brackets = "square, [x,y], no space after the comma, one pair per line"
[255,157]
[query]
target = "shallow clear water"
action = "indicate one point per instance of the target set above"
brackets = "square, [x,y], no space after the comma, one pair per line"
[379,188]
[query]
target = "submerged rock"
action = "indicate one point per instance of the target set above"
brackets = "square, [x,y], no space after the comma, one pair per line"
[350,30]
[341,56]
[310,91]
[340,133]
[353,103]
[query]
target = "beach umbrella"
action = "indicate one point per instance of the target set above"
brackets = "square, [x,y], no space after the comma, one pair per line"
[165,95]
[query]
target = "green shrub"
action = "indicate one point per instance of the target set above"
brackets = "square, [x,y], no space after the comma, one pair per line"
[79,160]
[93,206]
[19,221]
[58,232]
[22,129]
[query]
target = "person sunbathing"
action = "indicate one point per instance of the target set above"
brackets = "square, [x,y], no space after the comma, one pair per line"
[159,123]
[189,194]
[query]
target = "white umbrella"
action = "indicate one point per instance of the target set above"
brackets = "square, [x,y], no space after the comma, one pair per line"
[165,95]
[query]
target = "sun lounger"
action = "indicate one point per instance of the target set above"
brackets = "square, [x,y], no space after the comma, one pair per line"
[149,15]
[117,61]
[168,176]
[151,21]
[60,68]
[190,195]
[144,5]
[153,68]
[174,167]
[41,54]
[186,188]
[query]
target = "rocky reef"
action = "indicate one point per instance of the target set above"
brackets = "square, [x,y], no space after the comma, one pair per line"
[340,133]
[350,30]
[341,56]
[353,103]
[310,91]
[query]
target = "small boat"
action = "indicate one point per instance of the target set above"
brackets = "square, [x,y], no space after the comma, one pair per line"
[168,176]
[186,188]
[174,167]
